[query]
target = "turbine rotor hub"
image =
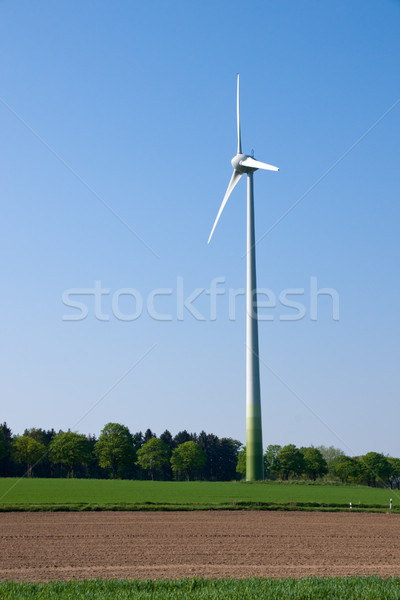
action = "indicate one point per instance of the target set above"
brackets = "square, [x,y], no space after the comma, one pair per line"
[236,164]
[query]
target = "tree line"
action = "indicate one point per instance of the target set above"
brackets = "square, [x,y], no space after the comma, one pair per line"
[289,462]
[117,453]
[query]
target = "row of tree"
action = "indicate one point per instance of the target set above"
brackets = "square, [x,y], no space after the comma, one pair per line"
[118,453]
[289,462]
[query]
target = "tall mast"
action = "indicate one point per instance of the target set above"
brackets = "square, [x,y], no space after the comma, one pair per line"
[254,447]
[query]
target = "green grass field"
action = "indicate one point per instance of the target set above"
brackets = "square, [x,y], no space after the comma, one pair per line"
[346,588]
[92,494]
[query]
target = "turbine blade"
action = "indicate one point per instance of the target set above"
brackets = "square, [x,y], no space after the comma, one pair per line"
[234,179]
[239,146]
[256,164]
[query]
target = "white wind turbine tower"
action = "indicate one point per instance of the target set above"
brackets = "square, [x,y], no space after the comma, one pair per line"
[245,164]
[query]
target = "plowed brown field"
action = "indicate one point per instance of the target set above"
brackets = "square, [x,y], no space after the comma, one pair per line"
[44,546]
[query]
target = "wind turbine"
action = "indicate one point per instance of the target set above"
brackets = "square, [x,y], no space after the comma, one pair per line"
[244,164]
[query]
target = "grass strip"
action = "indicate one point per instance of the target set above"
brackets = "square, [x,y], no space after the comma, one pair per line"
[169,506]
[343,588]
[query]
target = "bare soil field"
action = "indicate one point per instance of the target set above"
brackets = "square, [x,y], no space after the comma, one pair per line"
[62,546]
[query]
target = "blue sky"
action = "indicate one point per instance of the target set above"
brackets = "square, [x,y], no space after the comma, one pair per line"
[136,102]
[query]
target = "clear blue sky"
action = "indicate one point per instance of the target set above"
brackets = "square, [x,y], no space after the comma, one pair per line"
[138,99]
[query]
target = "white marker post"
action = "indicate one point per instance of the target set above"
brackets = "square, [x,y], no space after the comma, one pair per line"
[350,505]
[390,505]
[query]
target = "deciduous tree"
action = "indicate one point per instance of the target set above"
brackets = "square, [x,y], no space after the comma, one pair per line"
[115,447]
[153,456]
[241,462]
[272,465]
[330,452]
[40,435]
[291,461]
[314,463]
[376,468]
[69,448]
[28,451]
[186,458]
[394,477]
[345,468]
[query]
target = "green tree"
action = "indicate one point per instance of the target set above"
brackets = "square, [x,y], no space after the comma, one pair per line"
[167,439]
[291,461]
[376,468]
[345,467]
[314,463]
[115,448]
[186,458]
[3,451]
[241,462]
[148,434]
[27,450]
[69,448]
[38,434]
[44,467]
[330,453]
[272,465]
[153,456]
[210,443]
[7,465]
[227,452]
[138,440]
[394,477]
[184,436]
